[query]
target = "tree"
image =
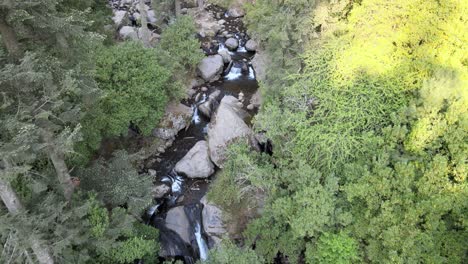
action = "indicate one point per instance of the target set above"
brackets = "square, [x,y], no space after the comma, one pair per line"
[333,248]
[228,253]
[12,202]
[117,183]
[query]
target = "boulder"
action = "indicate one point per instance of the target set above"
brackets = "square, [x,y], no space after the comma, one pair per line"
[207,107]
[260,63]
[212,219]
[206,24]
[256,99]
[236,11]
[211,67]
[251,45]
[177,221]
[120,18]
[232,43]
[159,191]
[196,163]
[176,118]
[196,82]
[226,56]
[226,127]
[154,39]
[152,17]
[127,32]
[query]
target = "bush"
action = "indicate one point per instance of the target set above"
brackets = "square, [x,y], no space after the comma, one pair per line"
[229,253]
[333,249]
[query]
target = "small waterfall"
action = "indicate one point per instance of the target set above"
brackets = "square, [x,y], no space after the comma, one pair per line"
[176,182]
[152,210]
[241,49]
[196,117]
[251,73]
[202,246]
[194,214]
[233,74]
[222,47]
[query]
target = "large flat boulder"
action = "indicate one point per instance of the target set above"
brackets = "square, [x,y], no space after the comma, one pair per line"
[206,24]
[120,18]
[236,11]
[176,118]
[227,127]
[177,221]
[128,32]
[211,67]
[260,63]
[196,163]
[213,223]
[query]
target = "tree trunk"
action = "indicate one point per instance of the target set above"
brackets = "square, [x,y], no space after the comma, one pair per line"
[9,38]
[145,34]
[177,8]
[58,160]
[13,204]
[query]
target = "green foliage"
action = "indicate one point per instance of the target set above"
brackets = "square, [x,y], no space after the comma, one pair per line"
[333,248]
[228,253]
[369,137]
[118,183]
[179,43]
[136,87]
[241,176]
[136,84]
[130,250]
[98,218]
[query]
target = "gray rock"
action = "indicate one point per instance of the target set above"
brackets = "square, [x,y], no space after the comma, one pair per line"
[226,127]
[206,24]
[256,99]
[211,67]
[196,82]
[152,172]
[232,43]
[207,107]
[127,32]
[120,18]
[212,219]
[196,163]
[152,17]
[226,56]
[159,191]
[236,12]
[191,92]
[251,45]
[176,118]
[177,221]
[260,63]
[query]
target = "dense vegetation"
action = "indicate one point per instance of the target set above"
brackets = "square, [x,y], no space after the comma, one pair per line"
[65,85]
[366,105]
[370,135]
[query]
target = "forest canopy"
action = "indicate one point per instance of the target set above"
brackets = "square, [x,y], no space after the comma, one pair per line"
[364,126]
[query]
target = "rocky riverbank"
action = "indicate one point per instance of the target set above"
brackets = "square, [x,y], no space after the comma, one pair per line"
[194,135]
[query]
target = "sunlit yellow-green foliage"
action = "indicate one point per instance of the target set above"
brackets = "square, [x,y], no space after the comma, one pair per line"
[370,136]
[405,40]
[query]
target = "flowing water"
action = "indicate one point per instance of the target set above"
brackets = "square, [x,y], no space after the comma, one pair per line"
[240,77]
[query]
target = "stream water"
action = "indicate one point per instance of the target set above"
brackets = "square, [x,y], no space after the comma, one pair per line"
[185,192]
